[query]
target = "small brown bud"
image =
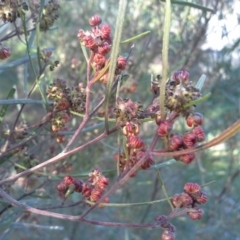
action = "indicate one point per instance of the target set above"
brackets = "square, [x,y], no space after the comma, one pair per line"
[61,187]
[167,235]
[195,213]
[181,200]
[77,185]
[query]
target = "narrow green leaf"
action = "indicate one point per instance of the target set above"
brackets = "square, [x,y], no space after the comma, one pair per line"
[136,37]
[199,100]
[201,82]
[5,107]
[193,5]
[114,55]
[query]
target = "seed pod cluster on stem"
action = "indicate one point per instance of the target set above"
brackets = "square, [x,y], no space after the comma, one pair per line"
[92,190]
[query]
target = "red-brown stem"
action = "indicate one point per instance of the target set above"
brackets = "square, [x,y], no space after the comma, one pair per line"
[55,159]
[72,217]
[225,135]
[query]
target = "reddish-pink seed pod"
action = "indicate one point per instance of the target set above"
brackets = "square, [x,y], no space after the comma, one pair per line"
[181,200]
[147,163]
[135,142]
[102,183]
[181,76]
[105,32]
[95,20]
[99,59]
[196,213]
[167,235]
[194,120]
[121,63]
[202,198]
[175,142]
[81,35]
[199,132]
[176,201]
[95,195]
[189,140]
[187,158]
[4,52]
[86,190]
[192,188]
[89,42]
[104,49]
[68,180]
[164,128]
[61,187]
[131,129]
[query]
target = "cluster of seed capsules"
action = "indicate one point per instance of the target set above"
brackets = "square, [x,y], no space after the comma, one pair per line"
[92,191]
[190,198]
[127,114]
[49,15]
[99,40]
[169,229]
[64,99]
[11,10]
[179,92]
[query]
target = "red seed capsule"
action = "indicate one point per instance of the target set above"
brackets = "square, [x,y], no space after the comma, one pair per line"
[95,20]
[135,142]
[175,142]
[192,188]
[199,132]
[68,180]
[164,128]
[196,214]
[181,200]
[194,120]
[189,140]
[202,198]
[187,158]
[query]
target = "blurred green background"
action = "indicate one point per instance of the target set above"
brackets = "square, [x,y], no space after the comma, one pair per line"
[192,48]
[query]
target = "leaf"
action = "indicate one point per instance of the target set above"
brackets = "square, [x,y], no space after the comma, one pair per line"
[5,107]
[193,5]
[136,37]
[201,82]
[199,100]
